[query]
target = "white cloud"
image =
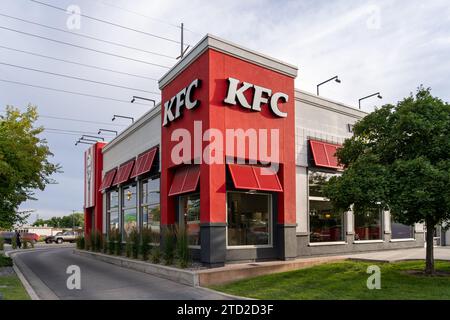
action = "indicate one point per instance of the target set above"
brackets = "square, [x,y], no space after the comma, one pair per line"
[386,46]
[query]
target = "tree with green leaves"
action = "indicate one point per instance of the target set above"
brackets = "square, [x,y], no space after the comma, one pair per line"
[75,219]
[24,163]
[399,159]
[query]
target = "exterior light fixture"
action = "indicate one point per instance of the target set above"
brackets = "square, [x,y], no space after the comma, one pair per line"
[124,117]
[335,78]
[95,137]
[142,98]
[369,96]
[107,130]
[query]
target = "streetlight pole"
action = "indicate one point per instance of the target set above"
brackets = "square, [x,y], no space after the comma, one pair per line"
[335,78]
[369,96]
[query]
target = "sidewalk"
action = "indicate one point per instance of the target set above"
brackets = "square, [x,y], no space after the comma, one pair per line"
[440,253]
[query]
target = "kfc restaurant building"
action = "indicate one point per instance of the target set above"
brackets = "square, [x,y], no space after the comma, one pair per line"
[237,155]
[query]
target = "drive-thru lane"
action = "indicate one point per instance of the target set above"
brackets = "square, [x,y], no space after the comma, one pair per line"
[45,270]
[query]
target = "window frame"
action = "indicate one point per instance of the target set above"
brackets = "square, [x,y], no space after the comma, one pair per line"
[181,215]
[123,208]
[108,210]
[141,204]
[270,214]
[331,173]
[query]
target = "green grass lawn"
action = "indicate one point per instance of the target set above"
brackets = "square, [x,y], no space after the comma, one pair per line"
[345,280]
[11,288]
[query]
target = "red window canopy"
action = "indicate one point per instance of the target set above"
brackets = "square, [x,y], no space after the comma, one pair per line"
[144,163]
[185,180]
[254,178]
[324,154]
[108,179]
[123,174]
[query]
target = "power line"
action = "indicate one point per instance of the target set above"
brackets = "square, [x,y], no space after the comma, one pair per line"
[78,63]
[73,131]
[82,121]
[70,92]
[144,16]
[108,22]
[85,48]
[77,78]
[86,36]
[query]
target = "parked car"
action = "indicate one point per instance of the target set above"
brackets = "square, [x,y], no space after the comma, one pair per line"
[60,237]
[7,236]
[28,236]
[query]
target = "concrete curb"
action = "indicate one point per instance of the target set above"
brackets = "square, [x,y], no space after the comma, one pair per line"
[29,279]
[226,294]
[186,277]
[28,288]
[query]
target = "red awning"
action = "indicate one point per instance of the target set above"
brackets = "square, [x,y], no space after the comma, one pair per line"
[123,174]
[254,178]
[108,179]
[324,154]
[185,180]
[144,163]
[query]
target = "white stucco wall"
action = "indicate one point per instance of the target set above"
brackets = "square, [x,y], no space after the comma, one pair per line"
[323,119]
[144,134]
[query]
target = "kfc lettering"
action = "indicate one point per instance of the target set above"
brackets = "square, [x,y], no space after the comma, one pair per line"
[182,99]
[261,95]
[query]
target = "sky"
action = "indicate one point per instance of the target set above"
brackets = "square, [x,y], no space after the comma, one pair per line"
[390,47]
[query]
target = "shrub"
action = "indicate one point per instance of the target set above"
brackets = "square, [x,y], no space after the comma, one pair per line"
[93,241]
[128,245]
[98,241]
[169,246]
[25,244]
[135,243]
[13,244]
[182,247]
[80,242]
[88,242]
[2,243]
[156,255]
[147,236]
[112,241]
[5,261]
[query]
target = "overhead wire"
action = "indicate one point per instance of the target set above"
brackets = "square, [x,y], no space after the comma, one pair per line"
[77,78]
[77,63]
[86,36]
[85,48]
[109,22]
[70,92]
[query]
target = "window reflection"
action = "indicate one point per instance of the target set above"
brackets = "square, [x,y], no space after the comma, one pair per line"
[190,216]
[249,221]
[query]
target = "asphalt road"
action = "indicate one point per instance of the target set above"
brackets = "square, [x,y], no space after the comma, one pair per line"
[45,270]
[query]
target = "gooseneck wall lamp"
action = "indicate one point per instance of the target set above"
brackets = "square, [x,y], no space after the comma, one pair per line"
[369,96]
[335,78]
[142,98]
[123,117]
[107,130]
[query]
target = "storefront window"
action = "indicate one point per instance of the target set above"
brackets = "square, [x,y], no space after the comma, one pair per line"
[129,210]
[368,224]
[249,219]
[325,223]
[190,217]
[401,231]
[150,206]
[112,209]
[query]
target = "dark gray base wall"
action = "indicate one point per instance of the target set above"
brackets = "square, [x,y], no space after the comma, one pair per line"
[304,249]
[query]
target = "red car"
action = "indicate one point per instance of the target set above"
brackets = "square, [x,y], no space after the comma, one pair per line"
[28,236]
